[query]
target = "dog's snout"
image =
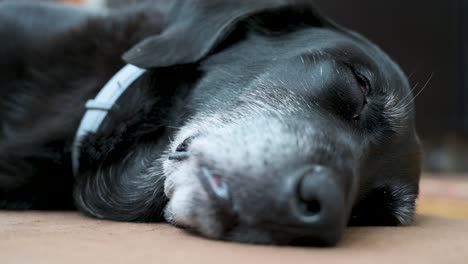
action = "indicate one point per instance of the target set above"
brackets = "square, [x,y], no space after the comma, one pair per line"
[296,194]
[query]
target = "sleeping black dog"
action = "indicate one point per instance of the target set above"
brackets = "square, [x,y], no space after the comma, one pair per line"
[252,121]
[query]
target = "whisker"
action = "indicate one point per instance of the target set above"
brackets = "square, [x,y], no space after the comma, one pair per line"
[419,93]
[414,87]
[397,109]
[424,87]
[409,94]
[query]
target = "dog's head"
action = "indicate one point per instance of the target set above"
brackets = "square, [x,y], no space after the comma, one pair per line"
[297,126]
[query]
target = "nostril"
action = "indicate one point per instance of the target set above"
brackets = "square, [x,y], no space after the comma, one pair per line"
[307,197]
[309,207]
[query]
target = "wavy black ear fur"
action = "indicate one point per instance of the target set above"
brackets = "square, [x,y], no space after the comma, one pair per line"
[195,28]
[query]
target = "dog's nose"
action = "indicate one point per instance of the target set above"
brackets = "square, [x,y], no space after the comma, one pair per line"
[317,204]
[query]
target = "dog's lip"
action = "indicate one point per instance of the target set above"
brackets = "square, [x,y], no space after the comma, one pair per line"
[214,185]
[218,190]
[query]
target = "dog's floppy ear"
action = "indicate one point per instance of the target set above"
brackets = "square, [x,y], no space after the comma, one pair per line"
[194,28]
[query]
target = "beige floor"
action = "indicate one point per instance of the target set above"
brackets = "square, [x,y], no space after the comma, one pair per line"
[444,195]
[58,238]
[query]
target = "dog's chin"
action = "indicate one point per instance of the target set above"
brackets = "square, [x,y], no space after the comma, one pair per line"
[189,208]
[191,219]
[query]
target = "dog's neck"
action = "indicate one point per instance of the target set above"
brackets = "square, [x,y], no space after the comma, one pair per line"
[98,108]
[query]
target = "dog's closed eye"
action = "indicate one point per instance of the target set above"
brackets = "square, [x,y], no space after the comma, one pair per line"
[363,83]
[364,87]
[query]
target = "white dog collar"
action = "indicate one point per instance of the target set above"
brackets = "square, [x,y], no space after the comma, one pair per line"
[98,108]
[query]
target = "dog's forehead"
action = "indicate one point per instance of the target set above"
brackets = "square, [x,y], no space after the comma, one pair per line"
[314,42]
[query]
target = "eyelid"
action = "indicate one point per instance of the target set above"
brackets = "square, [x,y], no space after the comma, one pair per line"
[365,86]
[363,82]
[360,75]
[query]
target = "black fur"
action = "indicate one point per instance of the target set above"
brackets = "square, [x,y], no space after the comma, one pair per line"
[50,66]
[42,99]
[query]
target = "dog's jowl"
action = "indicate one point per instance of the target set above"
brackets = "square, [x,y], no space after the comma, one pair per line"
[249,121]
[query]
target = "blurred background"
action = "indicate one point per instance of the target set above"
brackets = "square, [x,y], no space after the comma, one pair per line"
[429,39]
